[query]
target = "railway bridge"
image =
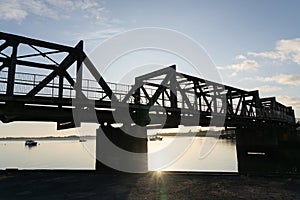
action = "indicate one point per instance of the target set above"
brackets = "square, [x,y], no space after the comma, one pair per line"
[45,81]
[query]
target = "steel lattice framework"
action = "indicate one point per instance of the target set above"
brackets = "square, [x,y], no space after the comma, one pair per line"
[39,80]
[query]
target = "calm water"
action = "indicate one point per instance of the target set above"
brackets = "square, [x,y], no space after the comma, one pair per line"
[71,154]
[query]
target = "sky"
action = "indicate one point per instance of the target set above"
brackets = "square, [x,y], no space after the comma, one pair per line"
[254,44]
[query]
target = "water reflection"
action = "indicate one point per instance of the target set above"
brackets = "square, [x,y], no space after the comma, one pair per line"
[222,156]
[30,147]
[54,154]
[71,154]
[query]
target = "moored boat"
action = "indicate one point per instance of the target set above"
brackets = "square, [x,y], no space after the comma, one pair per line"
[155,138]
[30,143]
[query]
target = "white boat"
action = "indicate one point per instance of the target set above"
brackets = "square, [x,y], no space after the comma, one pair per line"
[30,143]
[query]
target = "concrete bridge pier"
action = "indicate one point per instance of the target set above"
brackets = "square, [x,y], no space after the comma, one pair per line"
[117,151]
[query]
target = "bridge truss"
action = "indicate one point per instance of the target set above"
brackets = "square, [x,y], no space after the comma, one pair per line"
[39,81]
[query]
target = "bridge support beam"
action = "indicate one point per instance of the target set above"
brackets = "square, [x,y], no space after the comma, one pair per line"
[266,149]
[117,151]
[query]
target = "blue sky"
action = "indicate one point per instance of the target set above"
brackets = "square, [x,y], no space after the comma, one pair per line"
[255,44]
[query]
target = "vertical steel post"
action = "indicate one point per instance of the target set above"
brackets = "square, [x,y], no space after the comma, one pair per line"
[173,89]
[60,86]
[12,70]
[79,69]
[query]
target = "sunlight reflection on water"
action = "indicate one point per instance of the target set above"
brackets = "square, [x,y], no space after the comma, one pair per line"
[71,154]
[221,158]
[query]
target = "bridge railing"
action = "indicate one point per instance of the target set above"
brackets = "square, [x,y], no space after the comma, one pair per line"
[24,82]
[269,108]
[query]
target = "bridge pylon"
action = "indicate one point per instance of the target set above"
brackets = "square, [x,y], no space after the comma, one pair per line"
[121,149]
[267,148]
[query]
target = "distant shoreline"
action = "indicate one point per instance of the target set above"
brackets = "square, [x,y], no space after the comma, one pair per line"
[198,134]
[91,137]
[190,134]
[71,137]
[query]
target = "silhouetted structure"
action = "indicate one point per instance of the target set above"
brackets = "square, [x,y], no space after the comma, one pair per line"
[267,141]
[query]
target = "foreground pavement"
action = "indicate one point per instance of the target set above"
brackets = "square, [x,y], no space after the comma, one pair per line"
[154,185]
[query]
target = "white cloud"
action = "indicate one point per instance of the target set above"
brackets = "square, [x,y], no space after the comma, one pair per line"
[285,50]
[94,35]
[73,5]
[240,57]
[54,9]
[263,88]
[269,54]
[268,88]
[290,101]
[12,10]
[283,79]
[245,65]
[61,4]
[93,38]
[39,8]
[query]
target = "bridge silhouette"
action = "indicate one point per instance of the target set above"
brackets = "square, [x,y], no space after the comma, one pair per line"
[44,81]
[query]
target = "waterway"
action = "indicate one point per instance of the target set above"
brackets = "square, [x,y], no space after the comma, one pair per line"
[170,154]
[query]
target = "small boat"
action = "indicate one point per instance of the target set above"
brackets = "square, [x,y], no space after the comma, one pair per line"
[155,138]
[30,143]
[82,140]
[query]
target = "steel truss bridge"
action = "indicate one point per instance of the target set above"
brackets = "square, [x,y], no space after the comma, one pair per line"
[39,81]
[44,81]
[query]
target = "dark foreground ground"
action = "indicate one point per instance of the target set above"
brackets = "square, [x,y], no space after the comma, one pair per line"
[91,185]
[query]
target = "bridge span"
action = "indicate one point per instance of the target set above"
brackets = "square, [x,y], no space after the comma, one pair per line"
[44,81]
